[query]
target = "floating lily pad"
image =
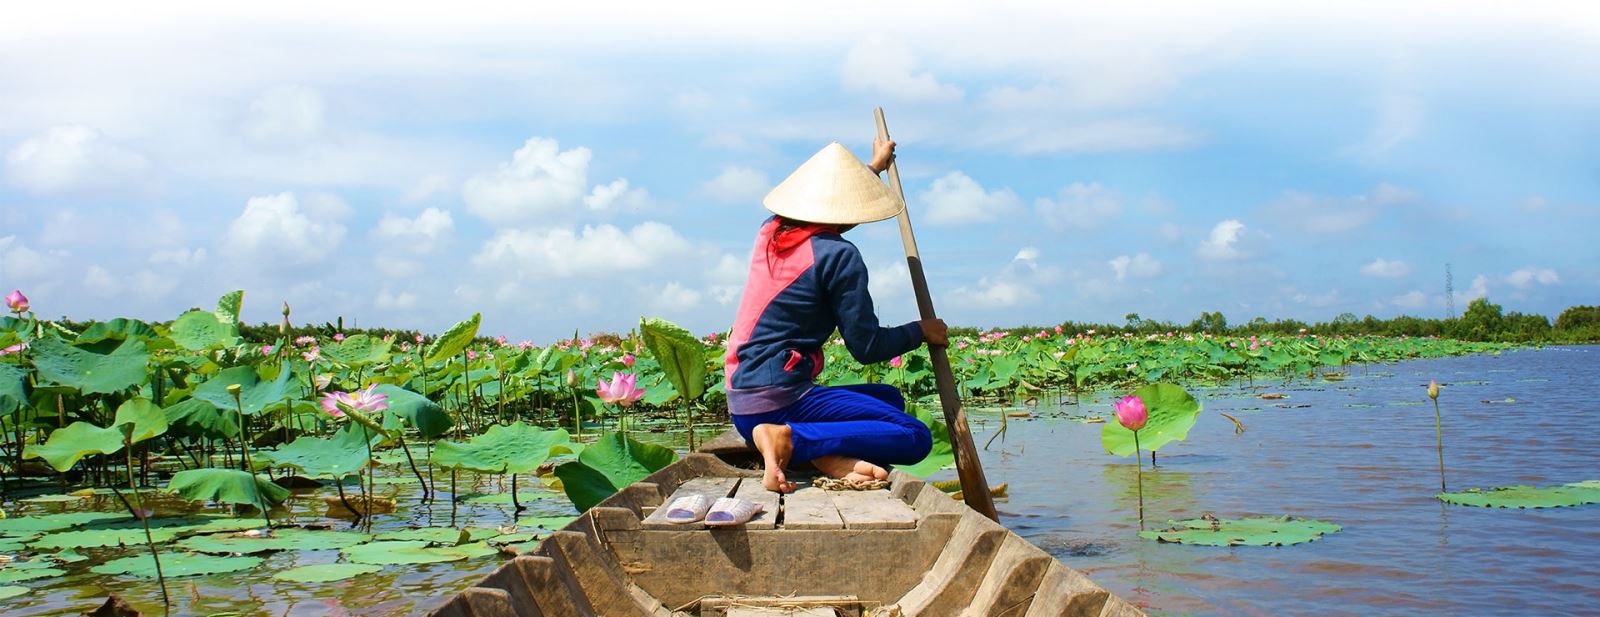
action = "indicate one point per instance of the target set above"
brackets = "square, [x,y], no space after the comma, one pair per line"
[396,552]
[176,564]
[122,534]
[1249,531]
[291,539]
[29,525]
[11,591]
[1558,496]
[326,572]
[69,556]
[551,523]
[517,448]
[222,524]
[19,571]
[442,535]
[54,498]
[517,537]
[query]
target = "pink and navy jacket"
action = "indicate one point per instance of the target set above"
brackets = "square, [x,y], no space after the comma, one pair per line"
[804,282]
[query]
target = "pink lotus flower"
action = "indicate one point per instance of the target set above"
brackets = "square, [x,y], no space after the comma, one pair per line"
[419,338]
[525,345]
[338,337]
[961,344]
[1058,331]
[1131,413]
[405,347]
[305,340]
[500,340]
[266,350]
[312,355]
[364,401]
[17,302]
[472,355]
[322,381]
[620,390]
[896,362]
[627,360]
[17,348]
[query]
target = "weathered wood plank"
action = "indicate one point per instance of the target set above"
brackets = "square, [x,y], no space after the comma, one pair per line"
[769,611]
[1013,578]
[712,488]
[810,508]
[873,510]
[753,491]
[951,581]
[1065,592]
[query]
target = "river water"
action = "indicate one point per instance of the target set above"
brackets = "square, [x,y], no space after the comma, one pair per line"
[1358,452]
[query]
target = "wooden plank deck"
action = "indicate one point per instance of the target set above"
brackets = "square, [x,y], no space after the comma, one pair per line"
[808,508]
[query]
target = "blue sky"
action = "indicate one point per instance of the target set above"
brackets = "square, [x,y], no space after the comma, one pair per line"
[575,167]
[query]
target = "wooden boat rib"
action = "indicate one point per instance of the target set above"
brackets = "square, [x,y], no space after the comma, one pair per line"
[906,550]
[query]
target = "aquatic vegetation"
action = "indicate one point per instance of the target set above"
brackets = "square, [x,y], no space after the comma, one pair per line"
[1438,428]
[325,572]
[1524,497]
[1248,531]
[1170,413]
[1132,415]
[605,466]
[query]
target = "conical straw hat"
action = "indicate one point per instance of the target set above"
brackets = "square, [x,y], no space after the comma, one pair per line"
[833,187]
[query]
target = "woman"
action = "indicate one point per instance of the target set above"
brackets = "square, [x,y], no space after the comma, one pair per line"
[806,281]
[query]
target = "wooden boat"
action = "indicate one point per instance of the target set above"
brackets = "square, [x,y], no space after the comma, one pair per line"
[906,550]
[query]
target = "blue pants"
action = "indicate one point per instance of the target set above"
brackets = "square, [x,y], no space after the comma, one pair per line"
[865,421]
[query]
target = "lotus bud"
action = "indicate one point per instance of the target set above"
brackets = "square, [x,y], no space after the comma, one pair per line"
[1131,413]
[572,378]
[234,389]
[1433,389]
[17,302]
[283,326]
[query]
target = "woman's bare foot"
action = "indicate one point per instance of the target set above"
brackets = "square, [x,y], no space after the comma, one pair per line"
[850,468]
[776,443]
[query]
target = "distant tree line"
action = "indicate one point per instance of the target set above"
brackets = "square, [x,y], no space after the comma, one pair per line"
[1483,321]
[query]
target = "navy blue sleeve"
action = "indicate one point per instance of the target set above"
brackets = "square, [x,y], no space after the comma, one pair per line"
[844,276]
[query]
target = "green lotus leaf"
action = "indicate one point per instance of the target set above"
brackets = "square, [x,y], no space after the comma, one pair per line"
[1557,496]
[19,571]
[290,539]
[255,394]
[322,457]
[13,390]
[359,351]
[475,549]
[682,356]
[67,445]
[176,564]
[426,416]
[70,555]
[142,419]
[120,329]
[325,572]
[197,330]
[1172,412]
[397,552]
[552,523]
[116,534]
[91,373]
[517,448]
[12,591]
[605,466]
[219,524]
[1249,531]
[227,486]
[455,340]
[228,307]
[194,417]
[54,498]
[941,456]
[448,536]
[30,525]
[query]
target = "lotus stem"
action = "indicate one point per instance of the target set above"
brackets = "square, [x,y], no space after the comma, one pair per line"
[516,507]
[166,600]
[426,494]
[1438,431]
[1139,473]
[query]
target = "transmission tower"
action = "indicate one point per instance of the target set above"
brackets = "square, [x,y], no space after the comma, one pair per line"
[1449,293]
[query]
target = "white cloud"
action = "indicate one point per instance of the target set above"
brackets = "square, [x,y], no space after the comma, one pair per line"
[617,195]
[726,279]
[1225,242]
[387,300]
[1015,285]
[1526,277]
[674,297]
[1383,268]
[540,180]
[274,230]
[881,66]
[423,234]
[1319,215]
[1079,206]
[1478,289]
[99,283]
[24,263]
[735,184]
[1400,116]
[596,250]
[1411,300]
[285,115]
[181,257]
[67,159]
[1170,232]
[955,199]
[1139,266]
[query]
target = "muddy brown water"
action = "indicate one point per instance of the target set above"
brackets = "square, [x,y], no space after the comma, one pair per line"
[1357,452]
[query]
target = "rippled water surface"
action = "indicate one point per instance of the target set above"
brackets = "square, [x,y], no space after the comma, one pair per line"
[1357,452]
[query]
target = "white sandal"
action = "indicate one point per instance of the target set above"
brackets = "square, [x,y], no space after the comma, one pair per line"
[688,509]
[727,512]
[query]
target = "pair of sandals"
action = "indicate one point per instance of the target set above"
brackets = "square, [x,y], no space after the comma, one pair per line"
[724,512]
